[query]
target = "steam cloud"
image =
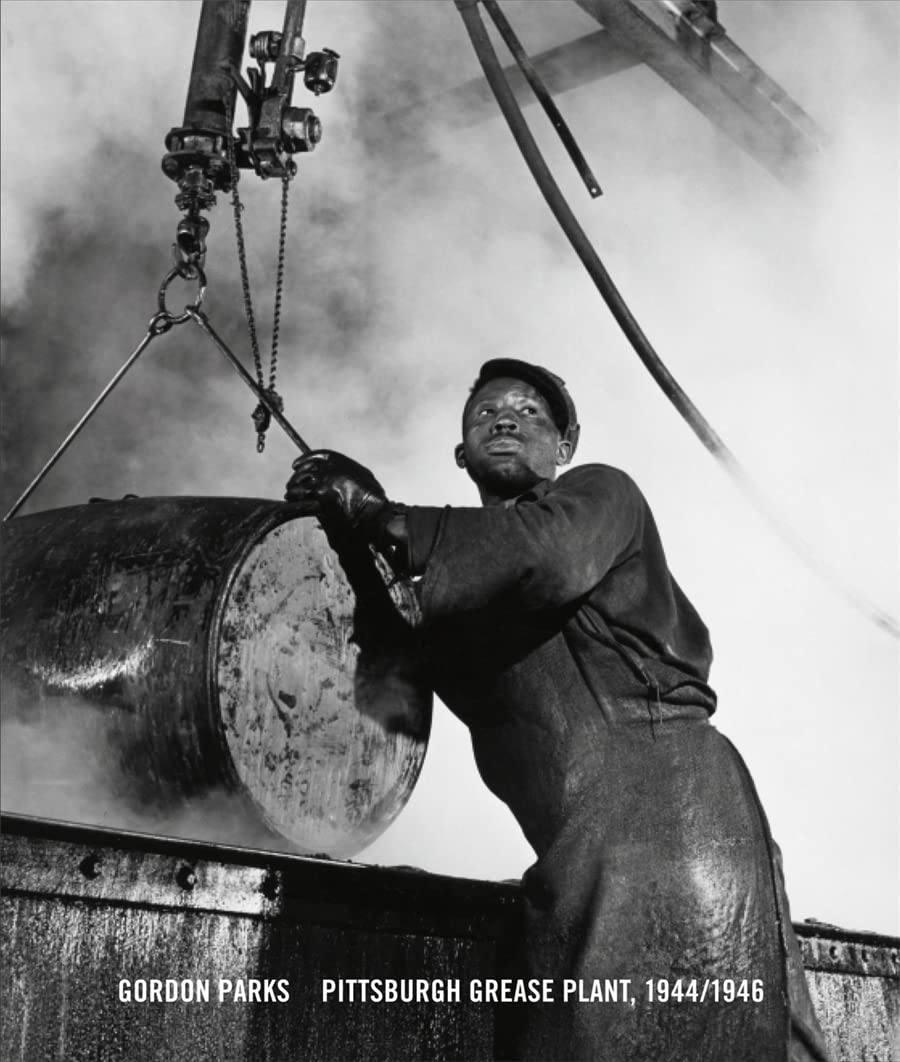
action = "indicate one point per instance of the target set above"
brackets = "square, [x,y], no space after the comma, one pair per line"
[61,758]
[416,252]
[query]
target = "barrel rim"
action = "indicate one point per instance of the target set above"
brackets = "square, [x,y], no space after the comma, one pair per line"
[271,518]
[279,515]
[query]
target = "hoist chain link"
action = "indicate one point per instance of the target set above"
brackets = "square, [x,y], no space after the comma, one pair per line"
[261,417]
[279,278]
[238,209]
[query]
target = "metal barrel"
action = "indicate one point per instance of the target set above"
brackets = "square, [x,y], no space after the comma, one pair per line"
[168,650]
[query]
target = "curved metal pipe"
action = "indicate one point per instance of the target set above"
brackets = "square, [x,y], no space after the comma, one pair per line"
[644,349]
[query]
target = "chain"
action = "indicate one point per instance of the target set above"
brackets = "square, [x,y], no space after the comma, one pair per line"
[238,209]
[279,278]
[261,416]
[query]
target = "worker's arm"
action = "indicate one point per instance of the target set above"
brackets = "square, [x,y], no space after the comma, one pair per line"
[541,552]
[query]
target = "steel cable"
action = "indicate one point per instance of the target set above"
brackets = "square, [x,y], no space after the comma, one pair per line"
[158,324]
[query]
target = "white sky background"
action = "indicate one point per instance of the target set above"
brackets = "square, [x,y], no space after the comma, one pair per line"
[412,259]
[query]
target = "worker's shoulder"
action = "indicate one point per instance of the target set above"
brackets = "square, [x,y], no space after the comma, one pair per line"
[596,477]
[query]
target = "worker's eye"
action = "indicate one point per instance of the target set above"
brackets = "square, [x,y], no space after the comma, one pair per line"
[530,410]
[485,409]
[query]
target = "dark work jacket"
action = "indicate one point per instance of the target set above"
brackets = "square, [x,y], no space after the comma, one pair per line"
[554,614]
[586,542]
[553,628]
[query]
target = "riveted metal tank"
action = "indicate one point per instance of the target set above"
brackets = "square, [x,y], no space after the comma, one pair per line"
[206,646]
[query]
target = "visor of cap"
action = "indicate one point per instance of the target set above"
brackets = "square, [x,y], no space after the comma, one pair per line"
[546,383]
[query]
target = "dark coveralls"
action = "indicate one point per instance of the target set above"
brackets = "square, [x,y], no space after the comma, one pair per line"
[553,628]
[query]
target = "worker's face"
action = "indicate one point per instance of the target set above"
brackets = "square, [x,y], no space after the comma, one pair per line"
[510,440]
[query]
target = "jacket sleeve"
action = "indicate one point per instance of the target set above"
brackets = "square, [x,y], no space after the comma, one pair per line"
[542,552]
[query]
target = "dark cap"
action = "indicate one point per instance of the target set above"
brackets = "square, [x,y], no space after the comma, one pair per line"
[546,383]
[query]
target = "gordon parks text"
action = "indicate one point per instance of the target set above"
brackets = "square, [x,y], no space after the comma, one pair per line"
[204,990]
[512,990]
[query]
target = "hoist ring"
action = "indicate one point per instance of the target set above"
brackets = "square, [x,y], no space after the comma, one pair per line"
[199,276]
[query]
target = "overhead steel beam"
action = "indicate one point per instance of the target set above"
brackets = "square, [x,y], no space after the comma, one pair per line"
[565,67]
[693,53]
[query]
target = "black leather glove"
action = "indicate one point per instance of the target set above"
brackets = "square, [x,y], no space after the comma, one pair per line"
[341,487]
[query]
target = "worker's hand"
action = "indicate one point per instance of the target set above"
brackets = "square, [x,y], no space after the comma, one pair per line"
[340,486]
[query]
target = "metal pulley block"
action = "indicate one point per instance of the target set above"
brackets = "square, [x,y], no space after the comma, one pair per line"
[201,151]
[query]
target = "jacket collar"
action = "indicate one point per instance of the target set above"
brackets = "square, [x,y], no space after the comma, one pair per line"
[532,494]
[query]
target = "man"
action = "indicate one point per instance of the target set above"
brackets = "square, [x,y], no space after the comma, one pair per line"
[552,627]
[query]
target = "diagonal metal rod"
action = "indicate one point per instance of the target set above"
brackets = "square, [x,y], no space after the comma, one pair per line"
[152,331]
[202,321]
[546,100]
